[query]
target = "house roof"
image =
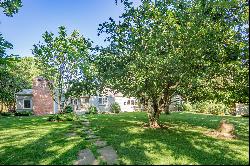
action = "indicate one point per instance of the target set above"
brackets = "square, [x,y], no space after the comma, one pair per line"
[119,94]
[25,92]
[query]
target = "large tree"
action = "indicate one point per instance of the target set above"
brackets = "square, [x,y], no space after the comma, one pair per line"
[166,47]
[10,83]
[64,60]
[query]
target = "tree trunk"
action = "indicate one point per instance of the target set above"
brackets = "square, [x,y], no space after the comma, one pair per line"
[153,113]
[59,103]
[166,100]
[153,120]
[1,108]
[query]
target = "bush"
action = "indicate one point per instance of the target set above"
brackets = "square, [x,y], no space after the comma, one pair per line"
[115,108]
[23,113]
[63,117]
[92,110]
[68,109]
[187,107]
[211,107]
[6,114]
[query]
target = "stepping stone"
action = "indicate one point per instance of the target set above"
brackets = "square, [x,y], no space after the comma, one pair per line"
[89,132]
[108,154]
[70,134]
[85,123]
[92,140]
[85,120]
[86,157]
[99,143]
[91,136]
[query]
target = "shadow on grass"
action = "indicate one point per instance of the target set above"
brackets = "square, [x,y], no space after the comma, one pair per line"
[31,146]
[136,145]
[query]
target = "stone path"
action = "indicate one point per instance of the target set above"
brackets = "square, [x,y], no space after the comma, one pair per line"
[106,153]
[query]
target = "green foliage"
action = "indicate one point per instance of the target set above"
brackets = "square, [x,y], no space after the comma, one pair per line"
[26,68]
[10,7]
[68,109]
[6,113]
[10,83]
[187,106]
[198,49]
[65,61]
[211,107]
[115,108]
[24,113]
[92,110]
[63,117]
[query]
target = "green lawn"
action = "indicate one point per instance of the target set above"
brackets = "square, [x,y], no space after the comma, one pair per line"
[183,143]
[33,140]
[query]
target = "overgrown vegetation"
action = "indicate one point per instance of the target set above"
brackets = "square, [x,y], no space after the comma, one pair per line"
[209,107]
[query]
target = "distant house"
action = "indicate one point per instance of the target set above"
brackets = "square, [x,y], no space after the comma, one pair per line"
[40,101]
[103,102]
[24,100]
[242,109]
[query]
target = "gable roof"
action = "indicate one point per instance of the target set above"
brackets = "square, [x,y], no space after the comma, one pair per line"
[25,92]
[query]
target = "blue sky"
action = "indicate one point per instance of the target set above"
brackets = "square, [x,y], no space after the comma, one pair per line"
[36,16]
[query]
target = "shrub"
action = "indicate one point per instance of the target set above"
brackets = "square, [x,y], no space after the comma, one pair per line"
[23,113]
[115,108]
[68,109]
[92,110]
[211,107]
[63,117]
[187,107]
[6,114]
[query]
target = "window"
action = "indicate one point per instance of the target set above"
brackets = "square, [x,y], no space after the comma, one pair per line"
[103,100]
[75,101]
[131,102]
[85,100]
[26,104]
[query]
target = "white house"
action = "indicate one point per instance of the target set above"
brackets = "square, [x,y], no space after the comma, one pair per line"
[103,102]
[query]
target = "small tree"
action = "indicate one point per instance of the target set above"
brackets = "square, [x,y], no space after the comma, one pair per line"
[115,107]
[64,60]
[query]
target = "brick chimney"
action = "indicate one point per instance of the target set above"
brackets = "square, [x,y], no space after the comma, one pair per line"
[43,102]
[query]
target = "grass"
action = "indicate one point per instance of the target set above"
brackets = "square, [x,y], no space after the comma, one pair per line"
[182,143]
[34,140]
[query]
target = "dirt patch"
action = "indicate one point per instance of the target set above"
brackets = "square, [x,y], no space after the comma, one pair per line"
[217,134]
[225,130]
[161,126]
